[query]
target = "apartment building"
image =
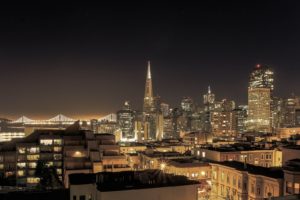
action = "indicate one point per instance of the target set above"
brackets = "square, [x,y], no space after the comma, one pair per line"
[241,181]
[254,155]
[68,151]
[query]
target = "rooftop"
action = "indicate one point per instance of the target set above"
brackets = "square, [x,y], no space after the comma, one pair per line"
[129,180]
[159,154]
[187,162]
[292,165]
[296,147]
[252,169]
[237,147]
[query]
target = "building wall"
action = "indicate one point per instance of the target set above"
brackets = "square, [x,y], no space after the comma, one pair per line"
[166,193]
[264,158]
[291,182]
[260,187]
[192,172]
[289,154]
[287,132]
[131,149]
[89,191]
[227,181]
[259,113]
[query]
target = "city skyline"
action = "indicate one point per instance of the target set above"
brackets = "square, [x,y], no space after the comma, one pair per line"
[86,61]
[86,116]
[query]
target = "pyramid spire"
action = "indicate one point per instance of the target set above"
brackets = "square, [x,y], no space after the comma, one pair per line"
[149,70]
[148,98]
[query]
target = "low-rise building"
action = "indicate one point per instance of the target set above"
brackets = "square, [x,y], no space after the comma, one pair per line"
[292,177]
[132,147]
[265,157]
[153,159]
[241,181]
[191,168]
[146,185]
[290,152]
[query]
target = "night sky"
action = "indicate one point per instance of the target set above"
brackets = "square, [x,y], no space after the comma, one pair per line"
[86,60]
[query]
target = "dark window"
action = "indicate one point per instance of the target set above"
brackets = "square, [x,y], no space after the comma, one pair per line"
[82,197]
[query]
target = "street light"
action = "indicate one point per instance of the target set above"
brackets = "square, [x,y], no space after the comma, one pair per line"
[163,166]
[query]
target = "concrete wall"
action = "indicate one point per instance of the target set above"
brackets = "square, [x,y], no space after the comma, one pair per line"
[289,154]
[87,190]
[164,193]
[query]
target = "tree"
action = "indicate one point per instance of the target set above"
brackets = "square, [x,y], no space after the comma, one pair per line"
[48,176]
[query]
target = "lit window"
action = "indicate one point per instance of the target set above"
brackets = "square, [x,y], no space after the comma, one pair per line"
[57,142]
[21,150]
[46,142]
[296,188]
[49,164]
[32,165]
[59,171]
[20,173]
[33,180]
[33,157]
[21,165]
[289,187]
[214,175]
[222,176]
[33,150]
[77,154]
[57,149]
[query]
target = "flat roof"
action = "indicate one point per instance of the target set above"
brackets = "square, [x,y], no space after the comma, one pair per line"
[187,162]
[129,180]
[236,147]
[253,169]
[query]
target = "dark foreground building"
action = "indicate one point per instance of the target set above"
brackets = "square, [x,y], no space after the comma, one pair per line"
[132,185]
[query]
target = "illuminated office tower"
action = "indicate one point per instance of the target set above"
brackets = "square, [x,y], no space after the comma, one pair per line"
[209,106]
[288,112]
[260,99]
[208,98]
[240,117]
[187,104]
[259,110]
[262,77]
[125,120]
[148,98]
[165,109]
[159,121]
[222,119]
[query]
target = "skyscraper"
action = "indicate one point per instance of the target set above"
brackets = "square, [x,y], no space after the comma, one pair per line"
[148,98]
[259,113]
[187,105]
[125,120]
[209,106]
[262,77]
[260,94]
[208,98]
